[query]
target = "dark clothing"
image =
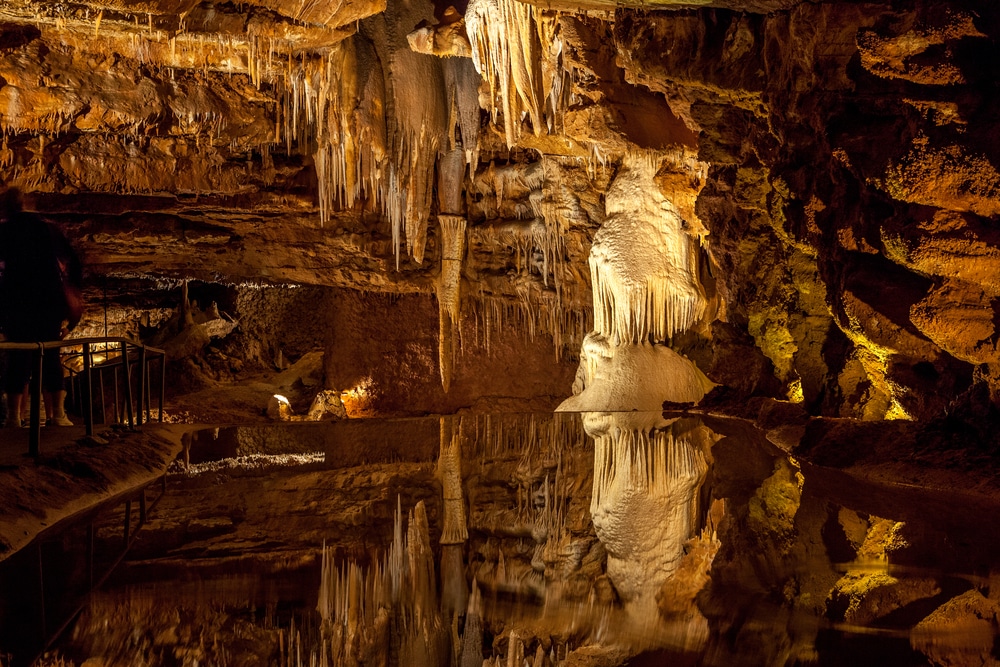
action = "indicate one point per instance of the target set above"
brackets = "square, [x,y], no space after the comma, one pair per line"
[38,268]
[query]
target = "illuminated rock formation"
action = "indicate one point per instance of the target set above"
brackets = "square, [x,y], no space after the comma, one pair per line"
[645,507]
[644,271]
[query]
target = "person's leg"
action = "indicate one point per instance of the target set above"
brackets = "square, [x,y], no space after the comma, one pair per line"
[16,384]
[14,409]
[54,389]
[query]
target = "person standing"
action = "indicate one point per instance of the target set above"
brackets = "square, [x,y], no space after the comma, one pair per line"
[40,281]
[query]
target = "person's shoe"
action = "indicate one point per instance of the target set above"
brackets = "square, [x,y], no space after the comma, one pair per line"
[59,421]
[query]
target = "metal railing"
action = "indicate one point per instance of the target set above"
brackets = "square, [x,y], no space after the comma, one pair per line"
[119,355]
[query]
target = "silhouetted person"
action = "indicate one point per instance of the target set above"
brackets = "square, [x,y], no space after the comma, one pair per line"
[40,280]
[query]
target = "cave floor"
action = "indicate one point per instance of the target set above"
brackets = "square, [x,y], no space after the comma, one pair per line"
[14,443]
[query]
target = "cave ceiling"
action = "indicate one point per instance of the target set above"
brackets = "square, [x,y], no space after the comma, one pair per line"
[837,161]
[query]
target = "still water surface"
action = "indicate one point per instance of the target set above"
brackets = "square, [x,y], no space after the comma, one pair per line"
[566,539]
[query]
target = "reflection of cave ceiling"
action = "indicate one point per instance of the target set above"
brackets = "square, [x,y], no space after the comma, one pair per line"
[838,159]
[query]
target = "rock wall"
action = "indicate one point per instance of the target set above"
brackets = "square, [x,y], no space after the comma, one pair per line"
[385,349]
[850,187]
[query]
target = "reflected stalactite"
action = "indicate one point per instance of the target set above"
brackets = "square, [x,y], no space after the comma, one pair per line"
[646,511]
[368,613]
[472,639]
[676,541]
[455,529]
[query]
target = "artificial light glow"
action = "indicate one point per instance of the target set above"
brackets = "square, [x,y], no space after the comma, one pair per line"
[357,400]
[282,399]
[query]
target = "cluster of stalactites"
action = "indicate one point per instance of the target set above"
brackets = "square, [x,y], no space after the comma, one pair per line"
[516,50]
[344,99]
[643,262]
[494,317]
[536,224]
[374,140]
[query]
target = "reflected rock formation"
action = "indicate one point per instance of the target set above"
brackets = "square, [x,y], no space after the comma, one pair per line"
[646,508]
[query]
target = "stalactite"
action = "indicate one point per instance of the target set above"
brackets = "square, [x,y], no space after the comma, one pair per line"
[462,86]
[528,316]
[449,291]
[416,119]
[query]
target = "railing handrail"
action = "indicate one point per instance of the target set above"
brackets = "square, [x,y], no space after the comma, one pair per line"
[72,342]
[146,354]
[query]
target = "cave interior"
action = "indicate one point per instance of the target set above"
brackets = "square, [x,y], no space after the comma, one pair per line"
[548,332]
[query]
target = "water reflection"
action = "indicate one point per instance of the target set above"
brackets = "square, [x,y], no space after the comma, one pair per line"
[646,509]
[602,538]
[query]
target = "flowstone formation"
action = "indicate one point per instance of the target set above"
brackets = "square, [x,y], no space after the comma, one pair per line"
[644,266]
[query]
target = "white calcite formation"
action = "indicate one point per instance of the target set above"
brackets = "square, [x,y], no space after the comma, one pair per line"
[643,263]
[633,377]
[644,269]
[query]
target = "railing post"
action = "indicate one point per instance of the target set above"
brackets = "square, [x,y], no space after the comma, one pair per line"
[128,520]
[88,390]
[128,386]
[90,554]
[100,383]
[142,385]
[35,419]
[163,381]
[118,402]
